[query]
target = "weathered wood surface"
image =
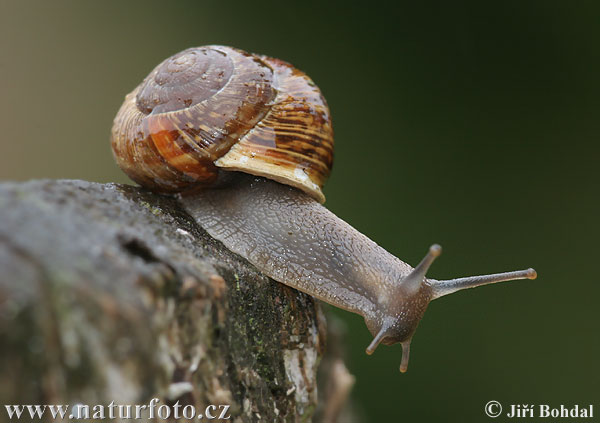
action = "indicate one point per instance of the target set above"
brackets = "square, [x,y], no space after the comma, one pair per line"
[111,293]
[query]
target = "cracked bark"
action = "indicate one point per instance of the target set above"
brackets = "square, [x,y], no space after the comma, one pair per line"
[112,293]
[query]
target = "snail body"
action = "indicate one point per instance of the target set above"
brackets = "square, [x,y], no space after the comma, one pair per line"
[248,142]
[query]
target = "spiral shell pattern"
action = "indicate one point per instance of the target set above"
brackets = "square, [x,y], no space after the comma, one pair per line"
[214,107]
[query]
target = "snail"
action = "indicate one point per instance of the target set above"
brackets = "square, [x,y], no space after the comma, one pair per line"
[246,142]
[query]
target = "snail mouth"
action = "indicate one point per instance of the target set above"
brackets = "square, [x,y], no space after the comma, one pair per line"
[381,337]
[390,333]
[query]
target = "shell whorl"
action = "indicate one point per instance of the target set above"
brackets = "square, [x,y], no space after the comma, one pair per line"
[215,107]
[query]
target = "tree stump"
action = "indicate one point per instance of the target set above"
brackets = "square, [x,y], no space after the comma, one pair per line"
[112,293]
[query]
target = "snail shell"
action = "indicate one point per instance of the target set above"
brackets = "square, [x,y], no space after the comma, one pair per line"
[215,107]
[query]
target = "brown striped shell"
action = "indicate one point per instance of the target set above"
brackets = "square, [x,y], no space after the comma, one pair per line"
[214,107]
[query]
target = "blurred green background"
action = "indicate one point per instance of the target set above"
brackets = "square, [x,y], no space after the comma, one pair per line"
[471,124]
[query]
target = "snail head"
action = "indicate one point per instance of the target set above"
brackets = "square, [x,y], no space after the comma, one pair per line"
[404,309]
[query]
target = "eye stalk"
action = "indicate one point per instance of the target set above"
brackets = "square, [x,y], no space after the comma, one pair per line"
[413,294]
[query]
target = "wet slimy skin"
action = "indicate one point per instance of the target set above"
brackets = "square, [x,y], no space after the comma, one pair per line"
[295,240]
